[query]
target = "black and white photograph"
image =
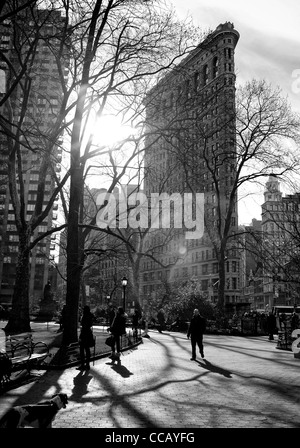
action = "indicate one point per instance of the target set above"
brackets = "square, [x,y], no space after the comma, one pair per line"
[149,219]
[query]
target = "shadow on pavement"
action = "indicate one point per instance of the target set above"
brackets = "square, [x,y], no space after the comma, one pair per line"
[212,368]
[121,370]
[81,382]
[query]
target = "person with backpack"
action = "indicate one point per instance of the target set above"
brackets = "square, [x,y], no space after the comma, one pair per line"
[195,331]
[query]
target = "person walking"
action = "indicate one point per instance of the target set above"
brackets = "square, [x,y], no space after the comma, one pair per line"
[86,338]
[271,325]
[135,323]
[111,314]
[62,319]
[161,320]
[117,329]
[195,331]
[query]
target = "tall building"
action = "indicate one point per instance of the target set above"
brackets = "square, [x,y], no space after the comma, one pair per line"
[190,147]
[29,41]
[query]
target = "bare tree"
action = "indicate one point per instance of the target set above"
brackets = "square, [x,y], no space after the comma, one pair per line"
[111,51]
[131,244]
[29,136]
[265,128]
[258,131]
[280,247]
[130,42]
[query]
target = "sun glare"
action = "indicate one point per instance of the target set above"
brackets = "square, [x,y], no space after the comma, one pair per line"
[110,130]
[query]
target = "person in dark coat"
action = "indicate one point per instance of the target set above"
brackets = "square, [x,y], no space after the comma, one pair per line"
[195,331]
[85,338]
[135,322]
[117,329]
[62,319]
[161,320]
[111,314]
[271,325]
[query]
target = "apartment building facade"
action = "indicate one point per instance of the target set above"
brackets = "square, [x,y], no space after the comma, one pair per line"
[33,121]
[280,235]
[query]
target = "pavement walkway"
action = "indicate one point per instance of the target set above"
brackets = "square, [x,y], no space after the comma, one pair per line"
[243,382]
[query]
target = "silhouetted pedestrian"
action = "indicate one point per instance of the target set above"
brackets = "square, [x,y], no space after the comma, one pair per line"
[86,338]
[271,325]
[161,320]
[62,319]
[117,329]
[135,322]
[195,331]
[111,314]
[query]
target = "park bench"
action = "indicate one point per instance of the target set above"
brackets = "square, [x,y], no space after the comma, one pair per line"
[21,354]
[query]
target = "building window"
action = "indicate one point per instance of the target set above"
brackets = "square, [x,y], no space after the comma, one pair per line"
[13,248]
[196,81]
[204,285]
[205,75]
[228,53]
[215,67]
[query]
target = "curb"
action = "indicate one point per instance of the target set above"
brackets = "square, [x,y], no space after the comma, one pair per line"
[93,358]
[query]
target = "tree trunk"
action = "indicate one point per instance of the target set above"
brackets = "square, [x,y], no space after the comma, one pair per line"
[83,292]
[135,287]
[70,333]
[221,288]
[19,319]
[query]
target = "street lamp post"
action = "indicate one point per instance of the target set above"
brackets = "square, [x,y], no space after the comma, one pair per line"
[124,284]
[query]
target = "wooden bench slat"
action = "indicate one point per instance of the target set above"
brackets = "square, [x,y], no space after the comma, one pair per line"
[17,359]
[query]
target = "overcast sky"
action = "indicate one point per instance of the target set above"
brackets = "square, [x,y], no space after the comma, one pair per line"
[268,48]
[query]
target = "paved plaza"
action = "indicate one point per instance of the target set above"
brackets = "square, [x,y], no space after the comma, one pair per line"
[243,382]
